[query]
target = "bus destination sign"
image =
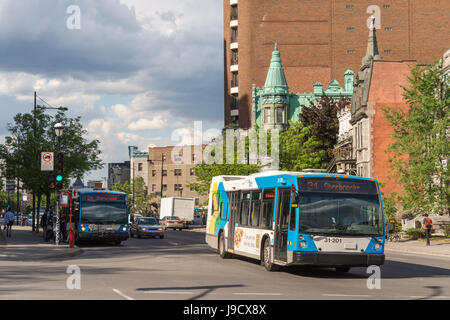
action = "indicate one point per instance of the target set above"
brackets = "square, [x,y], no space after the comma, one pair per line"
[337,186]
[103,198]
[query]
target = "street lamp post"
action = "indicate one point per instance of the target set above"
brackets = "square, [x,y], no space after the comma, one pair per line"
[59,128]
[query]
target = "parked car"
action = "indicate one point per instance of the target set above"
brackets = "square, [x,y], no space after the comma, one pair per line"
[146,227]
[172,222]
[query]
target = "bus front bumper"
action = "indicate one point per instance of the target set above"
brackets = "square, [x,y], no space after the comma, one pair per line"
[333,259]
[103,236]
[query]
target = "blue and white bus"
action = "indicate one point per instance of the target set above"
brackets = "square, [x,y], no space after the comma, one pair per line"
[100,215]
[294,218]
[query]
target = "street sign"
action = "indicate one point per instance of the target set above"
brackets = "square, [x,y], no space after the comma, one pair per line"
[47,161]
[64,199]
[10,185]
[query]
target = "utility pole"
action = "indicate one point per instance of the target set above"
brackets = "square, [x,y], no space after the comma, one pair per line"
[33,220]
[162,172]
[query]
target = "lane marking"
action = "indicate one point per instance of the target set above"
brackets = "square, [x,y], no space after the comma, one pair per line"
[174,243]
[122,294]
[256,294]
[170,292]
[345,295]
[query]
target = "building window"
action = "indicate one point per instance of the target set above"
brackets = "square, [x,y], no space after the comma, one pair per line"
[191,171]
[164,187]
[177,172]
[234,35]
[280,115]
[235,80]
[388,51]
[177,187]
[360,135]
[194,157]
[386,6]
[164,173]
[153,173]
[267,115]
[234,57]
[350,51]
[153,187]
[388,29]
[197,201]
[140,166]
[234,13]
[349,6]
[350,28]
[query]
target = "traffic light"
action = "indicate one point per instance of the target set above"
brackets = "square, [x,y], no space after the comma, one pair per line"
[59,171]
[51,181]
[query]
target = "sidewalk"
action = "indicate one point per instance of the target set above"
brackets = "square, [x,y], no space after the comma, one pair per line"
[439,247]
[24,245]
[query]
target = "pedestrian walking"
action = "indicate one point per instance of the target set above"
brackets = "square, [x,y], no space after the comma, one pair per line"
[43,223]
[427,226]
[9,221]
[49,234]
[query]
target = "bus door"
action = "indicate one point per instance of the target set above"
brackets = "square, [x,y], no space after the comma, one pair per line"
[234,210]
[282,224]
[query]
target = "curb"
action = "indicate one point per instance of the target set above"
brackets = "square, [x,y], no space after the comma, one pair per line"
[419,253]
[74,253]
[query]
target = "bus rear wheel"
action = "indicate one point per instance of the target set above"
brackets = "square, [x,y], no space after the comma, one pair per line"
[267,256]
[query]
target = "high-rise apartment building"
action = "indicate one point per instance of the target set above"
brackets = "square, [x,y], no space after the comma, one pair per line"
[320,40]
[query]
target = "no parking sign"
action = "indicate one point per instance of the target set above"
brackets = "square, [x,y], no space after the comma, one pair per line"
[47,159]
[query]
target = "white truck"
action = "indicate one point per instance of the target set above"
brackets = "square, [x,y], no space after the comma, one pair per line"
[182,208]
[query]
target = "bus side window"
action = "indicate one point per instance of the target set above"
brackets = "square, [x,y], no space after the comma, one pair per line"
[293,219]
[245,206]
[267,209]
[256,208]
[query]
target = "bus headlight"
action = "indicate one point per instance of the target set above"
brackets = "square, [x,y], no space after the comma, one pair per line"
[124,228]
[83,229]
[377,246]
[303,244]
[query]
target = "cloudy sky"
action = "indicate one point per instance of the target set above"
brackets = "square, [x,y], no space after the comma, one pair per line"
[138,72]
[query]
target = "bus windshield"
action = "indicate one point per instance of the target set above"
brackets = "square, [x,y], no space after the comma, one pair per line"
[103,210]
[353,209]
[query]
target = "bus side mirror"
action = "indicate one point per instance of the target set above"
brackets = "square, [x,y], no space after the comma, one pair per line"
[295,198]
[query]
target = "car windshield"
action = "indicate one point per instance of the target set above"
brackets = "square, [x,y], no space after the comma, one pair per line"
[172,218]
[104,212]
[149,221]
[340,214]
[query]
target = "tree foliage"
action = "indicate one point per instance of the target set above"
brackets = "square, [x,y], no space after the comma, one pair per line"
[300,150]
[33,133]
[420,148]
[138,194]
[321,116]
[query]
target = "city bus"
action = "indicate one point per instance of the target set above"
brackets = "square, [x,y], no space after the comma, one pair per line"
[294,218]
[100,215]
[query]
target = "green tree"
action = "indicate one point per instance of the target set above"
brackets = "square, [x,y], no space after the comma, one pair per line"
[420,145]
[33,133]
[321,116]
[299,150]
[140,196]
[206,170]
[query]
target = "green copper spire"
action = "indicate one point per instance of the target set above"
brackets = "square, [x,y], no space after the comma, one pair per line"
[276,81]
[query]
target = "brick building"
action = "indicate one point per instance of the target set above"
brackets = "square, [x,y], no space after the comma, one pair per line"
[118,173]
[177,171]
[320,40]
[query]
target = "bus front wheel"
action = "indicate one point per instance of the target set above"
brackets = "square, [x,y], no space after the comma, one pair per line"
[223,254]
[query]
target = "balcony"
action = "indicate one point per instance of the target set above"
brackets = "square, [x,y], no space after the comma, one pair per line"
[234,68]
[233,2]
[234,112]
[234,45]
[233,23]
[234,90]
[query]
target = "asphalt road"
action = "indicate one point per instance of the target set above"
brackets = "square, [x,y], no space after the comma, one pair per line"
[181,266]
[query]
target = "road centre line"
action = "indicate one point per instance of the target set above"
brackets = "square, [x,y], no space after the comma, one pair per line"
[170,292]
[122,294]
[257,294]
